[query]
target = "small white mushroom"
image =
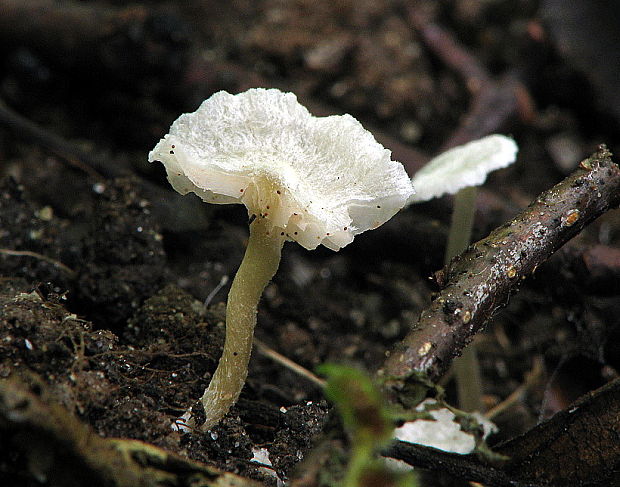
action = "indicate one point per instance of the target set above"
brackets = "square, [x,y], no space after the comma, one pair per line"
[303,178]
[459,171]
[463,166]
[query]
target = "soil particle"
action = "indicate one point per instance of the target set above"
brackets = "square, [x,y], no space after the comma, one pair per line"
[25,226]
[301,424]
[123,257]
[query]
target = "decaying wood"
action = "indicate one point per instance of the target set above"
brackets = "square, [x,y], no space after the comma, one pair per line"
[460,466]
[478,282]
[60,450]
[578,446]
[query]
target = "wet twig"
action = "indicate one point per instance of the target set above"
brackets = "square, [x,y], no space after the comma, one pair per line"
[478,282]
[460,466]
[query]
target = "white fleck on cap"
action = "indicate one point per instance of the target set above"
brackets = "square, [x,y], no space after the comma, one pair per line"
[317,180]
[463,166]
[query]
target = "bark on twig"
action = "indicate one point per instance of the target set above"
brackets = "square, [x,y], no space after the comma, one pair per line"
[478,282]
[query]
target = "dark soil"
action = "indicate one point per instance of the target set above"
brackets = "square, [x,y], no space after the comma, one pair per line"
[105,311]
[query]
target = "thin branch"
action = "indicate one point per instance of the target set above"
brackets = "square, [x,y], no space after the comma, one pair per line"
[288,363]
[531,378]
[577,446]
[478,282]
[460,466]
[27,253]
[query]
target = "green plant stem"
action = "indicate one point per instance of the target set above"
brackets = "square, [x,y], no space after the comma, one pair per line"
[260,263]
[361,458]
[466,367]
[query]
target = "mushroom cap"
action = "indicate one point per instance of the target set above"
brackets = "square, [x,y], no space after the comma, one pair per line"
[316,180]
[463,166]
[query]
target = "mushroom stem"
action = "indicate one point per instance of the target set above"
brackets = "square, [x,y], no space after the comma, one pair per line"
[462,222]
[260,263]
[466,367]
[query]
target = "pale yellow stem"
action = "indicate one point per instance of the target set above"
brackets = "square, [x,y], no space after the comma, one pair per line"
[466,367]
[259,265]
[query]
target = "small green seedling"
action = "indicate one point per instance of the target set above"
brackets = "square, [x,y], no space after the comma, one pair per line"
[369,423]
[316,181]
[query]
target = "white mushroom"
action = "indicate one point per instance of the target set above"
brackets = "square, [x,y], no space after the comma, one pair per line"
[312,180]
[459,171]
[463,166]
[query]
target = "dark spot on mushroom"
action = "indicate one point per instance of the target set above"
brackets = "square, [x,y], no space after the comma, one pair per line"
[278,191]
[267,206]
[327,234]
[171,152]
[173,146]
[241,190]
[282,233]
[235,354]
[345,228]
[378,206]
[294,233]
